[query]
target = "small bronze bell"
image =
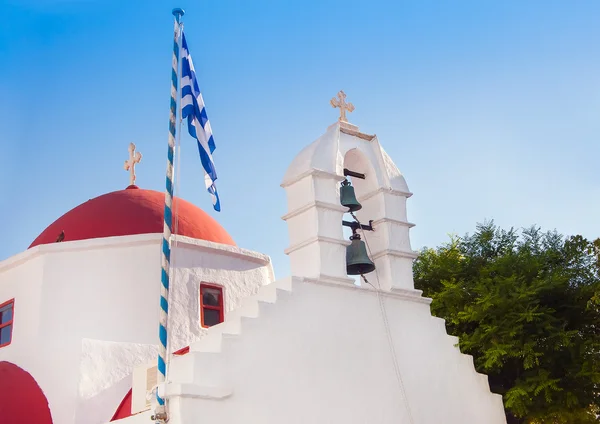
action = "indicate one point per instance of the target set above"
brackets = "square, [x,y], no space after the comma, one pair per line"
[357,260]
[348,198]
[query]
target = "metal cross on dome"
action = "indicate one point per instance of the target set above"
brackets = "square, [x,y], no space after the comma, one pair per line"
[341,103]
[134,157]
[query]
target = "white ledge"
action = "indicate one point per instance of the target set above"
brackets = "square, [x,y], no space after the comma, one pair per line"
[194,391]
[315,240]
[343,124]
[412,295]
[127,241]
[356,133]
[178,241]
[397,253]
[393,221]
[316,173]
[385,190]
[329,280]
[316,204]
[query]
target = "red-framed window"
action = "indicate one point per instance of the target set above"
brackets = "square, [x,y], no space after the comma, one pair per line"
[211,305]
[7,310]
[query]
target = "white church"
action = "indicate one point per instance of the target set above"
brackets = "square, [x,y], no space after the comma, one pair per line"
[79,311]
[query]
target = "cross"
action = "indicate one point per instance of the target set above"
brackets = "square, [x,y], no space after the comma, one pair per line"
[130,164]
[341,103]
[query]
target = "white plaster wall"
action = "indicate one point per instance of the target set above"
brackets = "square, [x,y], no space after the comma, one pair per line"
[300,193]
[21,279]
[330,223]
[321,154]
[305,260]
[240,272]
[327,189]
[85,307]
[392,272]
[303,226]
[381,204]
[388,235]
[321,354]
[320,259]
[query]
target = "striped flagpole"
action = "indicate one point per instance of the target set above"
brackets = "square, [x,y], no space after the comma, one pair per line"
[160,414]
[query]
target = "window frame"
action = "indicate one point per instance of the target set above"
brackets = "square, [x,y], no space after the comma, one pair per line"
[11,322]
[220,308]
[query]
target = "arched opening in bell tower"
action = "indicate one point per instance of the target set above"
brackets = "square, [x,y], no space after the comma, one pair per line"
[357,161]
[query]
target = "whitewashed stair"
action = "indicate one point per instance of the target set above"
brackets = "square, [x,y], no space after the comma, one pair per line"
[466,361]
[204,355]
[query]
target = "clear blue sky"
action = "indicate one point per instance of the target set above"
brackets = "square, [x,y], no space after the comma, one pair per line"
[490,109]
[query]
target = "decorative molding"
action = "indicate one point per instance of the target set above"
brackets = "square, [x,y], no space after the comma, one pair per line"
[348,126]
[316,239]
[385,190]
[356,133]
[412,295]
[393,221]
[396,253]
[314,204]
[178,241]
[329,280]
[127,241]
[315,172]
[79,246]
[187,390]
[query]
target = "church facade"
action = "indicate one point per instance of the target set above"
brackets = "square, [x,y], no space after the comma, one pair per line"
[79,312]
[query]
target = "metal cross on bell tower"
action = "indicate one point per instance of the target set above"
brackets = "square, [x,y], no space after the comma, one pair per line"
[134,157]
[341,103]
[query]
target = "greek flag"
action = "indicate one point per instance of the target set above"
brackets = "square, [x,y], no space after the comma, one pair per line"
[192,108]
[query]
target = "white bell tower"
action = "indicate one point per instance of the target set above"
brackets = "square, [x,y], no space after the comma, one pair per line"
[317,248]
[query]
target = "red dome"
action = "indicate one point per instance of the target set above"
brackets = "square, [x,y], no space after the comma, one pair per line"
[21,399]
[132,211]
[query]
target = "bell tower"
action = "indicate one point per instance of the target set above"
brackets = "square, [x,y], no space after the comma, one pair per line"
[313,183]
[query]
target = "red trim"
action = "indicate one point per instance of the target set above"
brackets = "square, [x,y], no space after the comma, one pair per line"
[124,409]
[182,351]
[219,308]
[12,319]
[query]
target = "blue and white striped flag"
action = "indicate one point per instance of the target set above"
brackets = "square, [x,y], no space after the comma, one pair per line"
[192,108]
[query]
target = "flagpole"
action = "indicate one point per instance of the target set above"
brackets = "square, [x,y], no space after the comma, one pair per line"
[161,411]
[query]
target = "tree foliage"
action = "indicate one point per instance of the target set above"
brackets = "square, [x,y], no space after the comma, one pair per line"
[526,305]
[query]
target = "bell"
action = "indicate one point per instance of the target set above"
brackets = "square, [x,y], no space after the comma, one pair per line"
[357,260]
[348,198]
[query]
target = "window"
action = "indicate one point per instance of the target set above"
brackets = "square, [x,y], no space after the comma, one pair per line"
[211,305]
[6,322]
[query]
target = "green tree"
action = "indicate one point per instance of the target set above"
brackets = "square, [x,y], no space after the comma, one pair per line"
[526,305]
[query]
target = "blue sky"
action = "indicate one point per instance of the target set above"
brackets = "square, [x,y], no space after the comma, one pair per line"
[490,109]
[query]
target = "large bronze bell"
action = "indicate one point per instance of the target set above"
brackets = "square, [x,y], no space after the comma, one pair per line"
[357,260]
[348,198]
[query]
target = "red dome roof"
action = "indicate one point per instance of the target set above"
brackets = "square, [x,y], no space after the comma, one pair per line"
[132,211]
[21,399]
